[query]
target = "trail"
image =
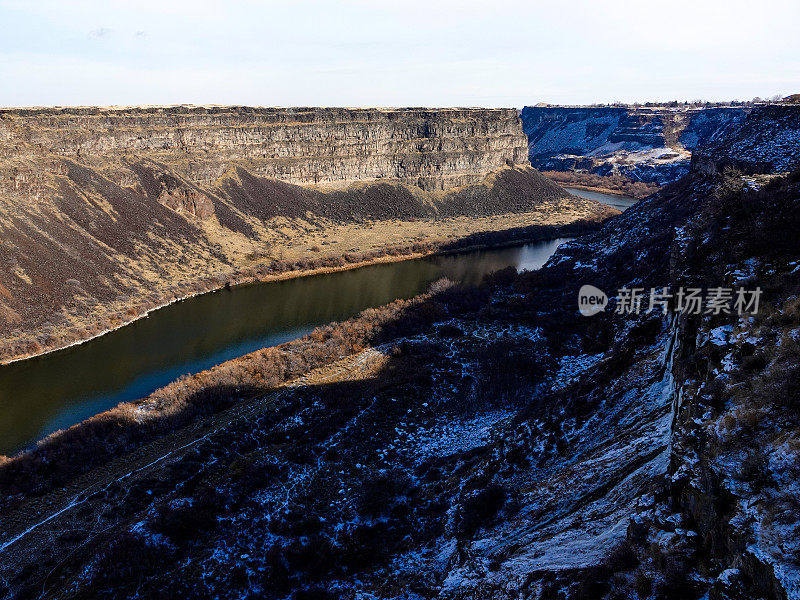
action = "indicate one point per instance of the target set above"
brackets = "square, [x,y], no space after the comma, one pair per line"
[349,367]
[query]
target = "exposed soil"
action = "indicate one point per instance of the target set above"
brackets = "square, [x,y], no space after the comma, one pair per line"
[103,254]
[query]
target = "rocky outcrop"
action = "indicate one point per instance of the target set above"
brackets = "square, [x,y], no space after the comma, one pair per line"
[188,201]
[766,142]
[184,198]
[492,443]
[431,149]
[649,144]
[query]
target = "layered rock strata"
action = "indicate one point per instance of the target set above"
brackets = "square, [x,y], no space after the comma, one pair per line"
[766,142]
[432,149]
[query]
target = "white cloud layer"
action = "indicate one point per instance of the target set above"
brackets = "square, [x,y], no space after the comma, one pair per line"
[359,53]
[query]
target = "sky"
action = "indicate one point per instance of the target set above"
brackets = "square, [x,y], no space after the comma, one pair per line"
[401,53]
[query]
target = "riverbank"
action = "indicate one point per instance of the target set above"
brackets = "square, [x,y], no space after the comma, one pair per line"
[133,248]
[314,252]
[198,334]
[615,185]
[130,425]
[599,190]
[206,333]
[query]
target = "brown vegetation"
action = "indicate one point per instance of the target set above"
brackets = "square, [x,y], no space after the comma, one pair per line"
[612,184]
[64,454]
[53,337]
[127,252]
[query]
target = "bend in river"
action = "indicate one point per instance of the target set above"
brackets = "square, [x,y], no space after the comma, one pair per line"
[57,390]
[619,202]
[54,391]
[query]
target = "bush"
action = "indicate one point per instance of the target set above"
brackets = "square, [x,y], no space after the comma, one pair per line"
[622,557]
[364,545]
[755,469]
[127,561]
[479,508]
[508,372]
[379,493]
[182,520]
[315,557]
[644,585]
[448,331]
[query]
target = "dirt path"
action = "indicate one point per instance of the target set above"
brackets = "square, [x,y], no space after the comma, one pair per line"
[31,530]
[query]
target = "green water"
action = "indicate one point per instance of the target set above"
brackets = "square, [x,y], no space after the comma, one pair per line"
[44,394]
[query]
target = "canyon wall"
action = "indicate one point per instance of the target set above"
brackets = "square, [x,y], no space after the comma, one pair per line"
[432,149]
[106,213]
[507,446]
[766,142]
[649,144]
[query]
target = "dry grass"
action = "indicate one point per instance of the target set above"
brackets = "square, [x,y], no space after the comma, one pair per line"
[609,184]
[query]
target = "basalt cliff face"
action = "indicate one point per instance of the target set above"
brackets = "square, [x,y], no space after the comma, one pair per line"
[431,149]
[106,213]
[766,142]
[649,144]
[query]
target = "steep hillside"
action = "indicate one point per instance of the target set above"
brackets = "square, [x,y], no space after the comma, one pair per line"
[766,142]
[431,149]
[647,144]
[107,213]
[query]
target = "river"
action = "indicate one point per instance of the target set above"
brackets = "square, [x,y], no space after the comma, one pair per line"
[620,202]
[53,391]
[57,390]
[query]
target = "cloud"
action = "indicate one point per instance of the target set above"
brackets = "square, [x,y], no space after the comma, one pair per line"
[100,32]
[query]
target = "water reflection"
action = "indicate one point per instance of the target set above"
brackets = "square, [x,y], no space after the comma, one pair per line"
[44,394]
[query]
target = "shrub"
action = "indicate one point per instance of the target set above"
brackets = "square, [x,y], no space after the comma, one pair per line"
[128,560]
[616,183]
[65,454]
[314,556]
[380,492]
[479,508]
[183,519]
[448,331]
[508,372]
[622,557]
[364,545]
[755,469]
[644,585]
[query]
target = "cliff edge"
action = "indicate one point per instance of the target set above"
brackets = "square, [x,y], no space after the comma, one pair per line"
[648,144]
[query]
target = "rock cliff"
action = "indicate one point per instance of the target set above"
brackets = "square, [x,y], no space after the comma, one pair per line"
[650,144]
[432,149]
[106,213]
[489,443]
[766,142]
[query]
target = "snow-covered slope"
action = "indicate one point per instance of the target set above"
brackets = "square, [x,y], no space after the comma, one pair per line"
[650,144]
[768,141]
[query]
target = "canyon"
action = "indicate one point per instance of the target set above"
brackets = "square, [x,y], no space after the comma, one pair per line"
[108,213]
[475,441]
[766,142]
[431,149]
